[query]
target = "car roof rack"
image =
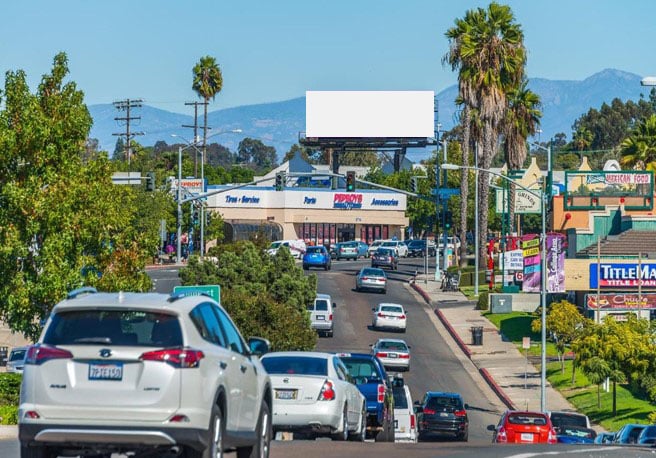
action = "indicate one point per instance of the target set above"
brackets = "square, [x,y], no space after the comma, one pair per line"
[177,296]
[80,291]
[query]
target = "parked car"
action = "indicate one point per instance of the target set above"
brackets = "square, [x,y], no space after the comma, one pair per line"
[647,436]
[571,434]
[373,246]
[316,256]
[389,316]
[143,373]
[399,247]
[417,248]
[441,412]
[524,427]
[16,359]
[371,379]
[314,393]
[363,249]
[393,353]
[452,242]
[405,419]
[384,257]
[371,278]
[562,418]
[604,438]
[321,314]
[628,434]
[350,250]
[296,247]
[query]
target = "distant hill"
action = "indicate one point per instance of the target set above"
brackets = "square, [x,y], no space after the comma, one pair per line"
[279,123]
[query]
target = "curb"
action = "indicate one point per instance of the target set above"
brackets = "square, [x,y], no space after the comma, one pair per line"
[421,292]
[496,388]
[463,346]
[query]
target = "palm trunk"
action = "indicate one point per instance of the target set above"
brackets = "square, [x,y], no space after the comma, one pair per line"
[464,188]
[204,128]
[484,189]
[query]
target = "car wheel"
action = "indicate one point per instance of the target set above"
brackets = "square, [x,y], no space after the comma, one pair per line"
[464,437]
[329,333]
[342,435]
[264,433]
[361,432]
[306,267]
[385,291]
[326,267]
[217,433]
[35,451]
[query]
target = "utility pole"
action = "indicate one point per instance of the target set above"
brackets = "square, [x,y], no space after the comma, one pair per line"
[126,105]
[195,127]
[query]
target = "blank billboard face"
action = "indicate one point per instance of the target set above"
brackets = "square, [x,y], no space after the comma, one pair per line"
[369,114]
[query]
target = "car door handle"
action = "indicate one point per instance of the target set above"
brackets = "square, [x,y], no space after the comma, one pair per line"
[243,368]
[223,364]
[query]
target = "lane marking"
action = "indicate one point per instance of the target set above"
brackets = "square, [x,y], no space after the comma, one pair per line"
[561,452]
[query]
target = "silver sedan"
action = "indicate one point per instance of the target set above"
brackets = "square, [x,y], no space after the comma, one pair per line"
[313,393]
[371,278]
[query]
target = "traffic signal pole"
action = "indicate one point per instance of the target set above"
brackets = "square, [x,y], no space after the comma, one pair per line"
[444,210]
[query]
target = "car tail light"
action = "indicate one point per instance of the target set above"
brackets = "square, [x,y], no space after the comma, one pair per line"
[413,421]
[460,413]
[404,356]
[179,419]
[381,394]
[32,415]
[381,355]
[381,315]
[327,391]
[330,317]
[552,438]
[183,358]
[365,278]
[39,354]
[501,435]
[429,411]
[402,317]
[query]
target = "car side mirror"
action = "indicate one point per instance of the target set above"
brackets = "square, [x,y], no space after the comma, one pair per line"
[491,428]
[258,346]
[418,409]
[334,305]
[466,406]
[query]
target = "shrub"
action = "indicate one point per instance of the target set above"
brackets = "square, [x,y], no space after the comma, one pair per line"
[8,415]
[9,388]
[483,302]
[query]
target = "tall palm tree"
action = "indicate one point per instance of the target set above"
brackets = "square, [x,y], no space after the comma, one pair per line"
[638,150]
[208,81]
[522,120]
[492,58]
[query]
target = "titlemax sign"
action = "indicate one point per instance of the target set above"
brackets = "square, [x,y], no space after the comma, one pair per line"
[622,275]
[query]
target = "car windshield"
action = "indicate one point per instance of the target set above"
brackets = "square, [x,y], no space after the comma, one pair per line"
[114,327]
[384,252]
[387,345]
[391,308]
[303,365]
[321,305]
[562,419]
[315,250]
[17,355]
[274,245]
[444,403]
[634,433]
[527,419]
[392,244]
[372,273]
[350,244]
[400,399]
[361,369]
[649,431]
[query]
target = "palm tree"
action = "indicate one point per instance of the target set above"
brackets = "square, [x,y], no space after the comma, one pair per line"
[638,150]
[491,58]
[521,121]
[208,82]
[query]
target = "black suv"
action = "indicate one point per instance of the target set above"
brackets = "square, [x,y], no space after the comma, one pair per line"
[441,412]
[417,248]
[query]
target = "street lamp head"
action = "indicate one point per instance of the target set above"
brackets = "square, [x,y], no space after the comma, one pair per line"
[648,81]
[448,166]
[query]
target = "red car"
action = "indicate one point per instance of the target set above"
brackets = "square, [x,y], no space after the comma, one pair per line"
[516,427]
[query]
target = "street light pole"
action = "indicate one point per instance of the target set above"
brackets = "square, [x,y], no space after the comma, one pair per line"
[179,235]
[543,276]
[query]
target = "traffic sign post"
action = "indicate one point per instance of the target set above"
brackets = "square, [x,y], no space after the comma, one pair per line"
[445,193]
[214,291]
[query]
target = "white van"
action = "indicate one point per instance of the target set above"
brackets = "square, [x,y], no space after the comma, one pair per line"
[296,247]
[321,314]
[405,419]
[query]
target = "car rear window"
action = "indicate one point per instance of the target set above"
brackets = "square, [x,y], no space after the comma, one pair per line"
[373,273]
[391,308]
[361,369]
[400,399]
[114,327]
[303,365]
[321,305]
[444,403]
[17,355]
[315,250]
[562,419]
[386,345]
[527,419]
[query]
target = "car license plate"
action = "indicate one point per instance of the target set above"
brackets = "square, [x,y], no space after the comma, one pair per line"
[321,318]
[528,437]
[393,355]
[444,414]
[285,394]
[106,371]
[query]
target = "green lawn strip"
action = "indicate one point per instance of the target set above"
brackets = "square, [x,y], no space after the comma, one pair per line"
[469,291]
[517,325]
[583,396]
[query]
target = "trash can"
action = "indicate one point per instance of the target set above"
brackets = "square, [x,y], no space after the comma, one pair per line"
[477,335]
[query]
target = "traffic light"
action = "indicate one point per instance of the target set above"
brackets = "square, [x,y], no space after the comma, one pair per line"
[350,181]
[448,220]
[150,181]
[194,216]
[414,185]
[281,178]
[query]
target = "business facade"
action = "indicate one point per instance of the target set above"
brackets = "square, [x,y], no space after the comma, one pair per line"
[318,216]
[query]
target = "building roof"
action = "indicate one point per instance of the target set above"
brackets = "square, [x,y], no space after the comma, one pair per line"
[628,243]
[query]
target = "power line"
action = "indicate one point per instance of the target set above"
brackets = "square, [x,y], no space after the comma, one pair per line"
[126,105]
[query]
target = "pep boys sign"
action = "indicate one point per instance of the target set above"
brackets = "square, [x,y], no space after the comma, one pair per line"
[347,201]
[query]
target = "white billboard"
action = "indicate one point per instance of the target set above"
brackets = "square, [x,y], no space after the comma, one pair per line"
[369,114]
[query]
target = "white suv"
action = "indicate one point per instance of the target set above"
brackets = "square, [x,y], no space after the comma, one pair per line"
[398,246]
[144,373]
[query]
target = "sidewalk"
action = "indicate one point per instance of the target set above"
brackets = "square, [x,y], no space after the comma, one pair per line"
[500,362]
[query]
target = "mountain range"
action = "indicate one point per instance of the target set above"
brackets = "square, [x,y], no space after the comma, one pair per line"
[279,124]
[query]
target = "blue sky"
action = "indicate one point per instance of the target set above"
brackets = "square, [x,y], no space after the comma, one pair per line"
[276,50]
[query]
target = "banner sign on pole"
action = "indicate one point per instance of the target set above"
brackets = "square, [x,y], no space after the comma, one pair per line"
[555,263]
[532,268]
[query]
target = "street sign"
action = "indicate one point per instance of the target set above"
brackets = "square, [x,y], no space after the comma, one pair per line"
[446,192]
[214,291]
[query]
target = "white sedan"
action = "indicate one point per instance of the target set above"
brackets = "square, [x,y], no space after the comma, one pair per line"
[393,353]
[313,393]
[389,316]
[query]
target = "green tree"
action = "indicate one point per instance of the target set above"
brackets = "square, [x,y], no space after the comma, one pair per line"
[638,150]
[252,152]
[62,222]
[207,82]
[597,371]
[265,295]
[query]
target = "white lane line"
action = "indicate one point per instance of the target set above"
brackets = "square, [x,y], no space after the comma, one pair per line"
[565,452]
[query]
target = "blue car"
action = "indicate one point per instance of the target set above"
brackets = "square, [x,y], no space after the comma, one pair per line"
[316,256]
[570,434]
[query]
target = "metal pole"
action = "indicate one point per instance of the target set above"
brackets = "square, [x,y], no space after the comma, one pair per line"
[445,237]
[543,294]
[179,250]
[438,275]
[201,251]
[476,243]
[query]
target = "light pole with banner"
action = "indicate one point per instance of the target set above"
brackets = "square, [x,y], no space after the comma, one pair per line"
[543,277]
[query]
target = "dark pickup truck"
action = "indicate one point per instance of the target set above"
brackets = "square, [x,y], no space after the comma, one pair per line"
[371,379]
